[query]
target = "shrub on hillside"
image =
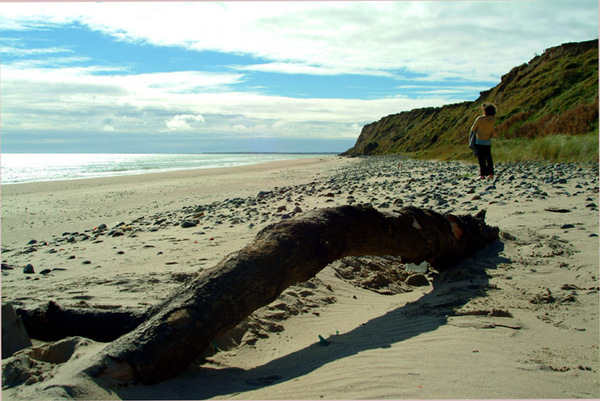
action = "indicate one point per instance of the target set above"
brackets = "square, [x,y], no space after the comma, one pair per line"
[576,121]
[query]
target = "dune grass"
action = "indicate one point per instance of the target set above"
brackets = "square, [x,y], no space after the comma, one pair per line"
[552,149]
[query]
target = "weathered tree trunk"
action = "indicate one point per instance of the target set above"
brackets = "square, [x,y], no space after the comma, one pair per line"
[182,326]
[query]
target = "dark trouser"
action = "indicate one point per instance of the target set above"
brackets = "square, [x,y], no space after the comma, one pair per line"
[486,164]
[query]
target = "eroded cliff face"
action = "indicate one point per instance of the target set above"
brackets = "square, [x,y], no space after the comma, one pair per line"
[554,93]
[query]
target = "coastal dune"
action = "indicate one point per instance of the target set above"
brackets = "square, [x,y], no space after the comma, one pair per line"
[518,319]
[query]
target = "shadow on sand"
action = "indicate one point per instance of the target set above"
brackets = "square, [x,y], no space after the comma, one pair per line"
[452,289]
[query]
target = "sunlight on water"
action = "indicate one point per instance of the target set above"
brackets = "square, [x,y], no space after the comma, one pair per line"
[29,167]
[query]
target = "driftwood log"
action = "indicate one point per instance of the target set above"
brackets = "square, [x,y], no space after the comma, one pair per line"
[181,327]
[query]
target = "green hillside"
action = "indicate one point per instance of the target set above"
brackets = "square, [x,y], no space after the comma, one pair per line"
[544,104]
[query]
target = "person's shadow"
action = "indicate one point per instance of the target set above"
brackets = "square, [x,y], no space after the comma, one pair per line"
[452,289]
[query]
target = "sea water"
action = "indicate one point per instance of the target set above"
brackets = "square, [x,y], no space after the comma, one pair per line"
[18,168]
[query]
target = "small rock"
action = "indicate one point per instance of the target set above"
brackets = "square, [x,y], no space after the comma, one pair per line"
[45,271]
[28,269]
[417,280]
[557,209]
[264,193]
[188,223]
[507,236]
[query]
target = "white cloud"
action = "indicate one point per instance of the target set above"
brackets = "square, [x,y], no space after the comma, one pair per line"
[19,51]
[79,100]
[293,68]
[458,39]
[181,122]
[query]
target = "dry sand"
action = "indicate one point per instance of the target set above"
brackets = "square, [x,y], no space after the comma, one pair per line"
[519,319]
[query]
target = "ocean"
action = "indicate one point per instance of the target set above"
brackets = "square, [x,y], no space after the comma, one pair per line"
[16,168]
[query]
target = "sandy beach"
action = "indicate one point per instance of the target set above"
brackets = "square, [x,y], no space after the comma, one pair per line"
[518,319]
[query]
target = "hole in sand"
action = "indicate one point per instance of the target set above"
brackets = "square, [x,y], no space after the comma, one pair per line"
[58,352]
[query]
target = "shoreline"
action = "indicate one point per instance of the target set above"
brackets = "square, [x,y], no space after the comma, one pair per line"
[523,310]
[191,171]
[52,201]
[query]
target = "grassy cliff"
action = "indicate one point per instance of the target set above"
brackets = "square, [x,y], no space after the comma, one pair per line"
[545,104]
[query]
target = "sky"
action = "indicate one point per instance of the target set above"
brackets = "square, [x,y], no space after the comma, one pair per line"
[245,76]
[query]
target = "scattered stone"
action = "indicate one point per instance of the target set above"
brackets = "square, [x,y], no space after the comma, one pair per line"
[262,194]
[189,223]
[417,280]
[28,269]
[557,209]
[507,236]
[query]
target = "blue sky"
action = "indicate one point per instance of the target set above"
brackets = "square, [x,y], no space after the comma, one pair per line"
[254,76]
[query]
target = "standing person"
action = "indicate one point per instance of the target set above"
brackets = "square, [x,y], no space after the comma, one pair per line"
[485,131]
